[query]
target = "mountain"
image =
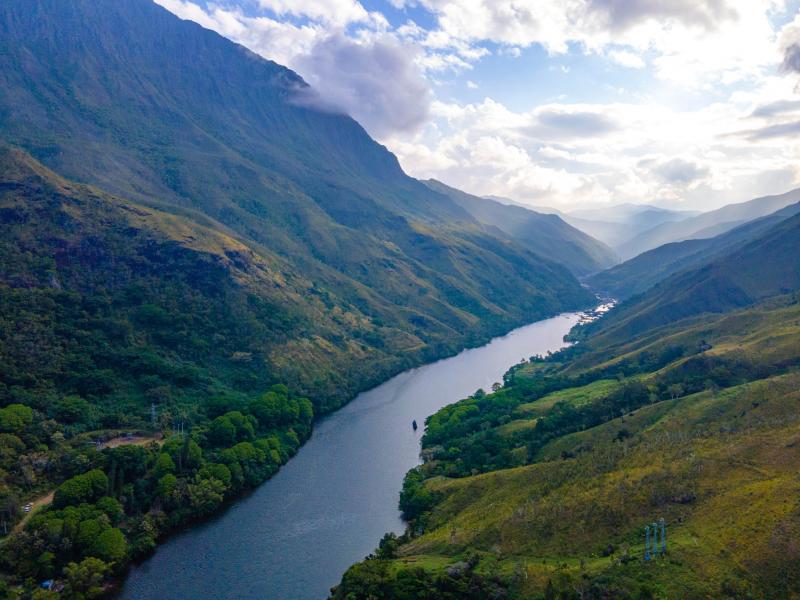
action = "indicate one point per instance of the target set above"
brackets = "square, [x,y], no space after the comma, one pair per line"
[674,413]
[550,487]
[706,224]
[746,273]
[377,272]
[644,271]
[612,225]
[616,225]
[545,234]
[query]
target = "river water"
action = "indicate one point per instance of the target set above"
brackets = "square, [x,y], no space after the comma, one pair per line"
[327,508]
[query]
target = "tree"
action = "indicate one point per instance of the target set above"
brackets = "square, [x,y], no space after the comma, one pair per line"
[84,580]
[205,495]
[675,391]
[86,487]
[110,546]
[164,465]
[221,432]
[73,409]
[15,418]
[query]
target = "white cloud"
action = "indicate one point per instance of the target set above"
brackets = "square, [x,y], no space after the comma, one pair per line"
[627,59]
[336,12]
[375,80]
[562,154]
[369,75]
[694,42]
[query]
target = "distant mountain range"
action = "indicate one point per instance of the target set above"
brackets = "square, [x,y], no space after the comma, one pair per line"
[547,235]
[646,270]
[734,270]
[705,225]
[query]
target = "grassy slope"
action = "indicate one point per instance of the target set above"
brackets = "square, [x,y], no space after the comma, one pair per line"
[545,234]
[765,266]
[639,274]
[91,282]
[719,465]
[127,97]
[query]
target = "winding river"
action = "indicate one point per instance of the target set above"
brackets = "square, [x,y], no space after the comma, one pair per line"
[327,508]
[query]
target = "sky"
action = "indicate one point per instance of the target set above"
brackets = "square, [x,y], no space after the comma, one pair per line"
[686,104]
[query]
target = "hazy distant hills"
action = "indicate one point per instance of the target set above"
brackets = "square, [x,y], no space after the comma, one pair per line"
[373,271]
[736,270]
[706,224]
[644,271]
[613,225]
[546,234]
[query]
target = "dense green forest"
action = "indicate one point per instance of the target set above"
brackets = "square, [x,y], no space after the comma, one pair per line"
[680,405]
[114,503]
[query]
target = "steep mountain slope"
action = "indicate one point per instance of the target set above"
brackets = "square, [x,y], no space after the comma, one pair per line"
[544,488]
[126,96]
[197,308]
[765,266]
[707,224]
[546,235]
[612,225]
[644,271]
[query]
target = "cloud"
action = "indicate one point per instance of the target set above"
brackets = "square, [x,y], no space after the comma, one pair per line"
[695,43]
[376,81]
[679,171]
[779,130]
[370,76]
[556,123]
[778,107]
[791,58]
[789,42]
[563,154]
[624,14]
[627,59]
[335,12]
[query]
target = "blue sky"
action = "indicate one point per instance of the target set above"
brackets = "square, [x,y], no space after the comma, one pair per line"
[561,103]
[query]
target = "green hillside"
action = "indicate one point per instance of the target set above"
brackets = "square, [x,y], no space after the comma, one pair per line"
[545,234]
[680,404]
[543,489]
[127,97]
[168,114]
[639,274]
[184,234]
[759,268]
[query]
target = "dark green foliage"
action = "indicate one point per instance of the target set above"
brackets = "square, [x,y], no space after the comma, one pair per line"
[87,487]
[415,499]
[374,580]
[117,512]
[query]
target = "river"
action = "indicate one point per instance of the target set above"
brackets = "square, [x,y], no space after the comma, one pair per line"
[294,536]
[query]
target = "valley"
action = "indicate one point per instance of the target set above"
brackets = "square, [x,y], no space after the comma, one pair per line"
[290,308]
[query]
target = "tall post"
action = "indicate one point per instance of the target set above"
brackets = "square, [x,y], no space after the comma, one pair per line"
[654,544]
[647,542]
[663,536]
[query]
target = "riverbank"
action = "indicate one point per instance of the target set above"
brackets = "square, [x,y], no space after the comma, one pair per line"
[294,535]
